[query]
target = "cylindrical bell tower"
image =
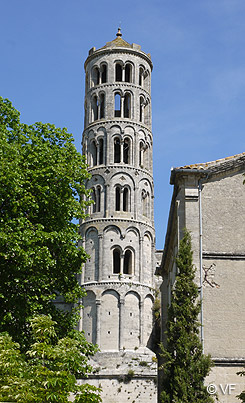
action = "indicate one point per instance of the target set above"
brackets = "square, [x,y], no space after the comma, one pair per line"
[119,233]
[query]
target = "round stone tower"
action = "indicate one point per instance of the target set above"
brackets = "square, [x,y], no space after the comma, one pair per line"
[119,233]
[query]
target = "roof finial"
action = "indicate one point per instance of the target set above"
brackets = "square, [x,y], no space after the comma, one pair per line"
[119,32]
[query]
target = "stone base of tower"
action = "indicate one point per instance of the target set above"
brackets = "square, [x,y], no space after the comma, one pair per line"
[125,376]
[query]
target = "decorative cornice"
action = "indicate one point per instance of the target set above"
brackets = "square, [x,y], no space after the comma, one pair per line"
[127,121]
[104,51]
[115,167]
[223,255]
[117,84]
[115,220]
[102,283]
[229,362]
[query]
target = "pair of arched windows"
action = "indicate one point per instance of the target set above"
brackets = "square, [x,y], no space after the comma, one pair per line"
[99,76]
[123,73]
[122,202]
[122,150]
[122,264]
[96,197]
[98,107]
[122,106]
[97,152]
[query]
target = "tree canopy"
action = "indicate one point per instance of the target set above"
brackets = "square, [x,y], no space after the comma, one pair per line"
[47,372]
[185,366]
[42,192]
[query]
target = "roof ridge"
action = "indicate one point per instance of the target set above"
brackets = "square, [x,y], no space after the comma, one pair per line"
[210,163]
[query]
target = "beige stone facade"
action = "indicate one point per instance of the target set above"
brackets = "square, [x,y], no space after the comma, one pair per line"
[209,200]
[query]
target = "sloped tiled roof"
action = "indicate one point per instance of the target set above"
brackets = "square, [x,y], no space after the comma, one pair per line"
[117,42]
[235,162]
[206,165]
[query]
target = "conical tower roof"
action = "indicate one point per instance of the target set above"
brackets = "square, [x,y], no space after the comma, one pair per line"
[118,42]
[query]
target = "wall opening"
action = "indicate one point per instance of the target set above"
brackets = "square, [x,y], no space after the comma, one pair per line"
[127,263]
[117,110]
[98,199]
[127,105]
[141,74]
[95,76]
[101,151]
[126,150]
[118,196]
[118,72]
[125,199]
[141,150]
[104,73]
[95,106]
[117,150]
[128,73]
[116,261]
[93,150]
[102,106]
[141,109]
[93,197]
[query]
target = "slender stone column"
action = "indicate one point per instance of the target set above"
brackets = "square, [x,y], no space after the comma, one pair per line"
[122,106]
[101,257]
[98,309]
[141,261]
[121,322]
[107,209]
[121,151]
[83,271]
[123,74]
[141,308]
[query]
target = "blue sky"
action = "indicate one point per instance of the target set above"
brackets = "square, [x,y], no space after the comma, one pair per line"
[198,79]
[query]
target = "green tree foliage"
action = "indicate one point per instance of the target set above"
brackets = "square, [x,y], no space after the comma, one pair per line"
[41,183]
[185,366]
[47,372]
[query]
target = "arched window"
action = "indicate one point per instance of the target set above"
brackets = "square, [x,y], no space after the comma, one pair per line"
[144,202]
[101,151]
[102,106]
[127,105]
[141,109]
[141,149]
[98,199]
[146,156]
[147,117]
[104,73]
[95,76]
[116,261]
[93,197]
[93,154]
[147,80]
[141,75]
[117,105]
[87,82]
[95,106]
[117,150]
[125,199]
[126,150]
[127,263]
[128,73]
[118,72]
[118,198]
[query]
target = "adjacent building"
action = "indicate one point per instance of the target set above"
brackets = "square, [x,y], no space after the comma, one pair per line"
[209,200]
